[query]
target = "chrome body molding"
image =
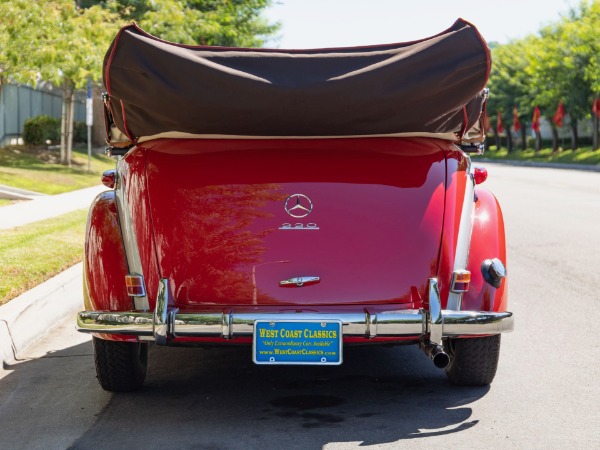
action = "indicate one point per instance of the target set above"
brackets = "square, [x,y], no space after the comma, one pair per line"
[167,323]
[465,230]
[132,251]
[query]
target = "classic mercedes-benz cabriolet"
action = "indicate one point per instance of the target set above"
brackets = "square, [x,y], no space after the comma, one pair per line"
[296,201]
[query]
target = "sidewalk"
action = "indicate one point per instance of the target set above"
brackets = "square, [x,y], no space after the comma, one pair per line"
[46,206]
[29,316]
[13,193]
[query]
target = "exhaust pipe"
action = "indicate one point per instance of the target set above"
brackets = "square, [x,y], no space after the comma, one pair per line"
[436,353]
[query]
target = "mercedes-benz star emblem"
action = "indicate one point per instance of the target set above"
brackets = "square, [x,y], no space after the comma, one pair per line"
[298,206]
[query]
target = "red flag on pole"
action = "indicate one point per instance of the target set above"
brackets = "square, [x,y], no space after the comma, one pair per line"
[487,124]
[596,107]
[559,115]
[535,120]
[499,125]
[516,121]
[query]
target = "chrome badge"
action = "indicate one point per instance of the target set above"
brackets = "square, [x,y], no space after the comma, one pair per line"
[298,206]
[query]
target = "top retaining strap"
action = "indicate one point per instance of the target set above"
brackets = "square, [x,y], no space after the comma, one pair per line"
[431,86]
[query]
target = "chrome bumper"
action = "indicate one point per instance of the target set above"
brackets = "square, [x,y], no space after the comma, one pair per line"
[167,323]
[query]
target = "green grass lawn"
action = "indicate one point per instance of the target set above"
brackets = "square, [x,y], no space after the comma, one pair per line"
[38,170]
[583,155]
[31,254]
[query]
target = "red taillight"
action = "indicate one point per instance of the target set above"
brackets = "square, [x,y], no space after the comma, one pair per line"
[460,281]
[480,175]
[108,178]
[135,285]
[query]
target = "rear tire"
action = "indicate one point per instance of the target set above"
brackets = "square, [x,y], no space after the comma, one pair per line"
[120,366]
[473,361]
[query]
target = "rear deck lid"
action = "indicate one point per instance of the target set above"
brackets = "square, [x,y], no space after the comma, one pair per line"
[297,222]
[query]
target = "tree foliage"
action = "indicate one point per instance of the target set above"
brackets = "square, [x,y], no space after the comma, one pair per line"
[508,84]
[561,64]
[53,40]
[508,79]
[206,22]
[56,40]
[63,41]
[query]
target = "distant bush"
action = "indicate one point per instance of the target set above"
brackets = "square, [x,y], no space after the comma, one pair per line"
[39,129]
[79,132]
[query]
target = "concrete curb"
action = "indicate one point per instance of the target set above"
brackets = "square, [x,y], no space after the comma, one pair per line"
[30,316]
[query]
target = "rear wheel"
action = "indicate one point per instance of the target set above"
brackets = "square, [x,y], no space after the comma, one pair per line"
[473,361]
[120,366]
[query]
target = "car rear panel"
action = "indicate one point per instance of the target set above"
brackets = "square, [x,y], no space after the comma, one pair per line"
[359,219]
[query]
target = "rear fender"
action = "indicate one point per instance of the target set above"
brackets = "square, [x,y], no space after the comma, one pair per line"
[104,262]
[487,242]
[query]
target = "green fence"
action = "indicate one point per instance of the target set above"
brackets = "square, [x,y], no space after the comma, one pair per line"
[19,102]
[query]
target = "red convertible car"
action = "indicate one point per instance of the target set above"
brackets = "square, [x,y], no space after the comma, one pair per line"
[296,201]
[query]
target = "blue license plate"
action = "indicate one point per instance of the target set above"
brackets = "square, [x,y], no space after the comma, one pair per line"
[297,342]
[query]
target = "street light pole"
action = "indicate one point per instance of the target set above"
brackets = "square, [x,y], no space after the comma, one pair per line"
[89,121]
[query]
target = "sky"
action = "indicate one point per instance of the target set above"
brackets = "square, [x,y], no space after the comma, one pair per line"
[340,23]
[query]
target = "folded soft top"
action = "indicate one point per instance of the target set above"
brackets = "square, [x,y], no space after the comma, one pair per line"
[427,87]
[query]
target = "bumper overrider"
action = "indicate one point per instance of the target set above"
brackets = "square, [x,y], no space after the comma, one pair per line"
[167,323]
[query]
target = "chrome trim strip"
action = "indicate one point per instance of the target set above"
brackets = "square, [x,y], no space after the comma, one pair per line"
[465,230]
[132,251]
[226,323]
[370,324]
[181,135]
[435,318]
[161,319]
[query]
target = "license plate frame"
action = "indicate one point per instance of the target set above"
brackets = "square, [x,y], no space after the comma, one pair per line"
[297,342]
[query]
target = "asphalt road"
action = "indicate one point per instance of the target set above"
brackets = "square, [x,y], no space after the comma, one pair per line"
[546,394]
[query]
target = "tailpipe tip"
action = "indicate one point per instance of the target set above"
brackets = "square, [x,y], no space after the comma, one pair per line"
[436,353]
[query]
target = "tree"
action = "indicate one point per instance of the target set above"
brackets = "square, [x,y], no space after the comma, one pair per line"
[588,35]
[576,55]
[64,41]
[509,85]
[546,84]
[206,22]
[562,66]
[57,42]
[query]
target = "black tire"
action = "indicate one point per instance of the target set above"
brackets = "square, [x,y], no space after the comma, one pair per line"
[120,366]
[473,361]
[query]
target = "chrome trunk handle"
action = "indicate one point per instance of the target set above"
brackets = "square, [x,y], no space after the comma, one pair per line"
[299,281]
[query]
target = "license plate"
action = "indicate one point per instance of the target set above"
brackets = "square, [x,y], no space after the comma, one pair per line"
[315,342]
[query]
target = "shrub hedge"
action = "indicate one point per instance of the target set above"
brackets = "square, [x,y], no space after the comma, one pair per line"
[40,129]
[37,130]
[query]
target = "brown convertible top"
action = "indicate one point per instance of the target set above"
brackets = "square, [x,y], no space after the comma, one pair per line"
[427,87]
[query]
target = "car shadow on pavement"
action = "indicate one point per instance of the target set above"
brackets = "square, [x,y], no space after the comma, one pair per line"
[219,399]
